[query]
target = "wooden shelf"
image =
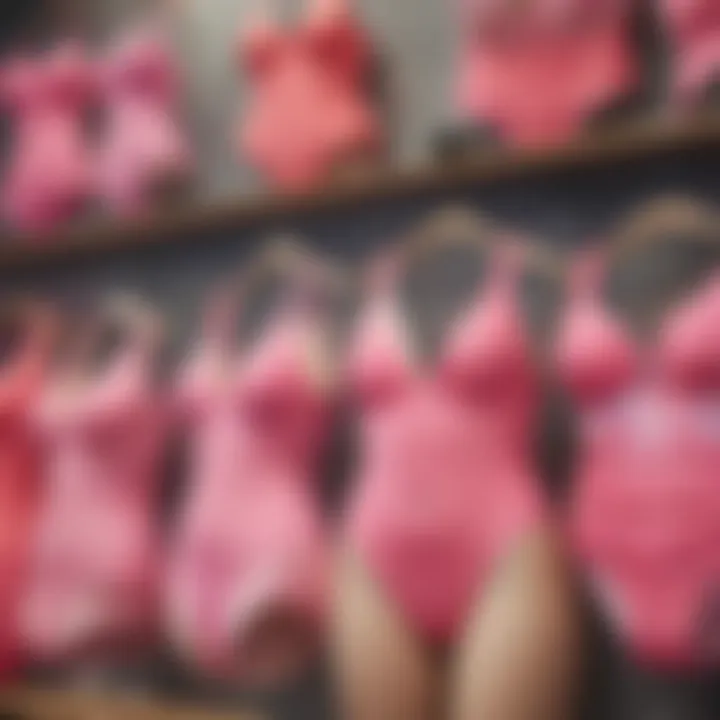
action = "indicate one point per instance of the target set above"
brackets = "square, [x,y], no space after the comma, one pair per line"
[35,704]
[635,142]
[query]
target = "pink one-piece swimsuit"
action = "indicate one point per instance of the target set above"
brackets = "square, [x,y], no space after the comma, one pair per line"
[95,568]
[647,502]
[50,174]
[250,535]
[144,144]
[445,483]
[310,106]
[538,74]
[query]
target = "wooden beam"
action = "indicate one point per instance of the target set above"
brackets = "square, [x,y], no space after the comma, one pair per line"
[634,142]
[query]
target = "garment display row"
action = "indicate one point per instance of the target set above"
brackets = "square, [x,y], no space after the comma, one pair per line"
[444,483]
[535,74]
[315,78]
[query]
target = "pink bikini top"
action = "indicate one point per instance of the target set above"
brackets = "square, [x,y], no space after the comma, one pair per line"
[647,501]
[110,424]
[486,360]
[266,392]
[599,359]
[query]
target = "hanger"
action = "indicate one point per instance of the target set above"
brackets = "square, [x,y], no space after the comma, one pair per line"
[460,226]
[662,217]
[681,217]
[282,255]
[134,315]
[291,257]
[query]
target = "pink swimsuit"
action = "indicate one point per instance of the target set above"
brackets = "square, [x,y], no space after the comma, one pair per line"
[646,510]
[50,171]
[445,484]
[694,29]
[95,566]
[20,384]
[310,107]
[250,535]
[144,146]
[537,74]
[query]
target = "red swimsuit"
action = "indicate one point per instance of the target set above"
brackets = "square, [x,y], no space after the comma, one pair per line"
[310,107]
[445,483]
[645,514]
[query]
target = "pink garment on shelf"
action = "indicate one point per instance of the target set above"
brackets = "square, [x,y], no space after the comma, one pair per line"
[538,76]
[694,29]
[144,146]
[95,570]
[445,484]
[251,537]
[645,513]
[310,105]
[21,381]
[50,173]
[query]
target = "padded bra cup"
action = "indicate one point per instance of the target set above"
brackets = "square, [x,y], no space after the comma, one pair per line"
[596,359]
[691,341]
[379,378]
[280,395]
[599,359]
[339,44]
[486,355]
[104,406]
[489,356]
[274,388]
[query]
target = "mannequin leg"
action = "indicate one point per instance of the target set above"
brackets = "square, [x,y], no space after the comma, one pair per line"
[382,672]
[521,655]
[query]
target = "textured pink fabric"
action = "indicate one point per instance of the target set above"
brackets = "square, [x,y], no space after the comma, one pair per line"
[310,106]
[647,502]
[445,483]
[49,177]
[250,536]
[20,383]
[538,76]
[694,30]
[144,145]
[95,566]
